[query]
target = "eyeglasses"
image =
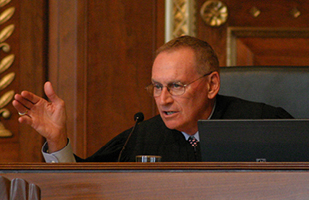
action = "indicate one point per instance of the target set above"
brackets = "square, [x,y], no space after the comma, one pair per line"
[175,89]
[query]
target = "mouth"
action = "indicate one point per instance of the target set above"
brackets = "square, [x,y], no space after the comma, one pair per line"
[168,113]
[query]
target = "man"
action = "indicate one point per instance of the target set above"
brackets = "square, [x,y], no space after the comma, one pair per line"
[185,86]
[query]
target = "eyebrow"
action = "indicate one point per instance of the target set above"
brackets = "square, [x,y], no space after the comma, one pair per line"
[171,82]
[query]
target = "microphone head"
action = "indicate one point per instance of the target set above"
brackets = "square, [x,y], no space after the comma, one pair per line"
[139,117]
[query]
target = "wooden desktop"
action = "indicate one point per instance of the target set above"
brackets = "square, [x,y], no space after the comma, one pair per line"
[164,180]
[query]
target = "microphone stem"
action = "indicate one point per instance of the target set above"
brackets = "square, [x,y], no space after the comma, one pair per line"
[125,144]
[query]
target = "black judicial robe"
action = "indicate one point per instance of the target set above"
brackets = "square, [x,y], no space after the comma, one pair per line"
[152,137]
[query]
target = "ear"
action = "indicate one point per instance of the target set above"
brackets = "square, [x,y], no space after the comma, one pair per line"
[214,85]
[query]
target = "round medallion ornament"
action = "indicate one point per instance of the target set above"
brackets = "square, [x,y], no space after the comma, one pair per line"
[214,13]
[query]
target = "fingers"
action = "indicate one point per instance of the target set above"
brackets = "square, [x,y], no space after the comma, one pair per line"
[24,101]
[21,109]
[26,119]
[23,112]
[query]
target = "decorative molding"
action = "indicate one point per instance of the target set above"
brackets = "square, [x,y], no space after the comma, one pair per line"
[295,12]
[180,18]
[5,47]
[255,12]
[6,81]
[258,32]
[5,63]
[4,2]
[6,32]
[269,32]
[214,13]
[6,15]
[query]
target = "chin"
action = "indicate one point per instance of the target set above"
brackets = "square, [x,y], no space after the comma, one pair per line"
[171,125]
[168,124]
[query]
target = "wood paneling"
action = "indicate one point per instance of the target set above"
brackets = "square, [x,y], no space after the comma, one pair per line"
[274,14]
[120,53]
[98,56]
[273,51]
[68,64]
[100,61]
[28,44]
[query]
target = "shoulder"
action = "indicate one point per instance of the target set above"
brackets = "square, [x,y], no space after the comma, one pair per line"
[228,107]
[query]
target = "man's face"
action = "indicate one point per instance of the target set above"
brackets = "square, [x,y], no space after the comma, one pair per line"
[181,112]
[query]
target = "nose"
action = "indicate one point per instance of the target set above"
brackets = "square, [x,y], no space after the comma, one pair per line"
[165,97]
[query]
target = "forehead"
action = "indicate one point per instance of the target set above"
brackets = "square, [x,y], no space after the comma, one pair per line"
[175,65]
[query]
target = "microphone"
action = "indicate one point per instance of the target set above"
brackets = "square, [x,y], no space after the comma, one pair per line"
[138,117]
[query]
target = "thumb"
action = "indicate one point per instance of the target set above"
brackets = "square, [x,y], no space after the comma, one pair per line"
[50,93]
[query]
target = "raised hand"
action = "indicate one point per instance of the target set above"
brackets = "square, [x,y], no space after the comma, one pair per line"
[47,117]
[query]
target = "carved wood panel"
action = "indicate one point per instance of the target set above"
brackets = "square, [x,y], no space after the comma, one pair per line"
[264,33]
[27,44]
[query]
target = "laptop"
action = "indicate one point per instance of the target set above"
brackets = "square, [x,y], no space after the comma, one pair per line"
[277,140]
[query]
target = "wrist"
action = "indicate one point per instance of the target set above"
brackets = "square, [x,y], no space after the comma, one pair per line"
[57,144]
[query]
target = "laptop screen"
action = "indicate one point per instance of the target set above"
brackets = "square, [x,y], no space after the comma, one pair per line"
[282,140]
